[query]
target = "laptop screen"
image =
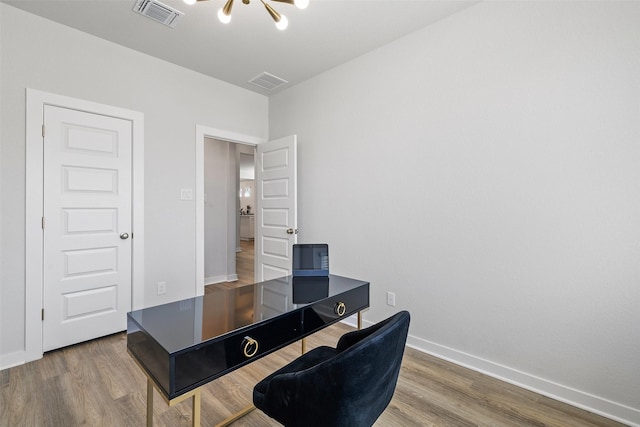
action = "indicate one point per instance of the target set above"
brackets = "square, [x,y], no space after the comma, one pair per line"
[311,259]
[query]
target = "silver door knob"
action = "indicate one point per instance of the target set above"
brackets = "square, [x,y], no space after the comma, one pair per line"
[292,231]
[124,236]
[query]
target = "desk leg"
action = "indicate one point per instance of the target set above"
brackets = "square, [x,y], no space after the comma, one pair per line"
[149,403]
[304,345]
[233,418]
[196,409]
[359,320]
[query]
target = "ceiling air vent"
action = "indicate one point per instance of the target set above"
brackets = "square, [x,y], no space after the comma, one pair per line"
[159,12]
[268,81]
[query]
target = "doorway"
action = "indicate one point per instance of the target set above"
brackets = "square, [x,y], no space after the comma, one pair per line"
[229,218]
[238,140]
[276,228]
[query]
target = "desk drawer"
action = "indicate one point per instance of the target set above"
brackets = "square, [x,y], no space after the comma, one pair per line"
[210,360]
[332,309]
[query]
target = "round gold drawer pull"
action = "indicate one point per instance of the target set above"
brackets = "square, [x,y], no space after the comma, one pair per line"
[340,309]
[249,347]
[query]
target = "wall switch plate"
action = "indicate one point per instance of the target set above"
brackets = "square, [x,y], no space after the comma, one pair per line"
[186,194]
[162,288]
[391,299]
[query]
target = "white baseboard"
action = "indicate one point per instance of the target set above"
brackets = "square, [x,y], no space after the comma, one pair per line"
[220,279]
[571,396]
[580,399]
[353,321]
[13,359]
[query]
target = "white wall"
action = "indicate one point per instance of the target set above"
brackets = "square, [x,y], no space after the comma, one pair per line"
[40,54]
[514,130]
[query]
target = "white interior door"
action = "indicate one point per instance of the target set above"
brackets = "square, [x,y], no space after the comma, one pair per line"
[87,226]
[276,230]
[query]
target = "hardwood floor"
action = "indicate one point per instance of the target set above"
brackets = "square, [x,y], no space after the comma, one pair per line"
[98,384]
[244,262]
[244,268]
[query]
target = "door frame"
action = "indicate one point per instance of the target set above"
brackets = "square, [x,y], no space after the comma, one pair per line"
[203,132]
[34,242]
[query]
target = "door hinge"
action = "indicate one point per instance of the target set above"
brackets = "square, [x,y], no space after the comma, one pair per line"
[43,223]
[43,130]
[42,314]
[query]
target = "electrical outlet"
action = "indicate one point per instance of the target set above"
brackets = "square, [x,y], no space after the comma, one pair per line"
[162,288]
[391,299]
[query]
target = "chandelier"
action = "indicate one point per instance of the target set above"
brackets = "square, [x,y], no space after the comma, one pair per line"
[224,14]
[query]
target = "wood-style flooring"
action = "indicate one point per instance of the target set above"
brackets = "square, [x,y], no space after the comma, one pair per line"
[96,383]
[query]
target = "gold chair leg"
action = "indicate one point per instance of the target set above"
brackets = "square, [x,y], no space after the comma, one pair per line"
[359,320]
[304,345]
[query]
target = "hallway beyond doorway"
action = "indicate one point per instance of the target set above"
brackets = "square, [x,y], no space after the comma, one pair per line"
[244,268]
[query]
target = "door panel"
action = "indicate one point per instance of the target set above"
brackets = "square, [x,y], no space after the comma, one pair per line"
[90,221]
[93,301]
[277,207]
[87,206]
[275,217]
[90,261]
[89,180]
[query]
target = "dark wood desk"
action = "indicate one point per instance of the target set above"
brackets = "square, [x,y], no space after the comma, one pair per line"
[183,345]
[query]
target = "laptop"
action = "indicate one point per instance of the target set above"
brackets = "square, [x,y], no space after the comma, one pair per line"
[311,259]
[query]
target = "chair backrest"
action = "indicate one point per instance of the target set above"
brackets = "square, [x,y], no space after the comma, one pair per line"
[355,386]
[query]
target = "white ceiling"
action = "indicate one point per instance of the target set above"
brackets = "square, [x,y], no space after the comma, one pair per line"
[325,35]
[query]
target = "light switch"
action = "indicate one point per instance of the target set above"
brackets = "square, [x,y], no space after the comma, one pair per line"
[186,194]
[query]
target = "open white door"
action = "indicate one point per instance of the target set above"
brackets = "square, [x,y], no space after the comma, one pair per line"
[277,222]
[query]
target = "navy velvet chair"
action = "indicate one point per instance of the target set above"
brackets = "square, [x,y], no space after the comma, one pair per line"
[350,385]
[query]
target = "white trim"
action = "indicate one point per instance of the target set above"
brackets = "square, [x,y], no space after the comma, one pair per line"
[203,132]
[13,359]
[353,321]
[562,393]
[580,399]
[220,279]
[36,100]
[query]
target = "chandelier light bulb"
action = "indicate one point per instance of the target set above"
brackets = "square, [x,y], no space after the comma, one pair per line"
[283,23]
[225,19]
